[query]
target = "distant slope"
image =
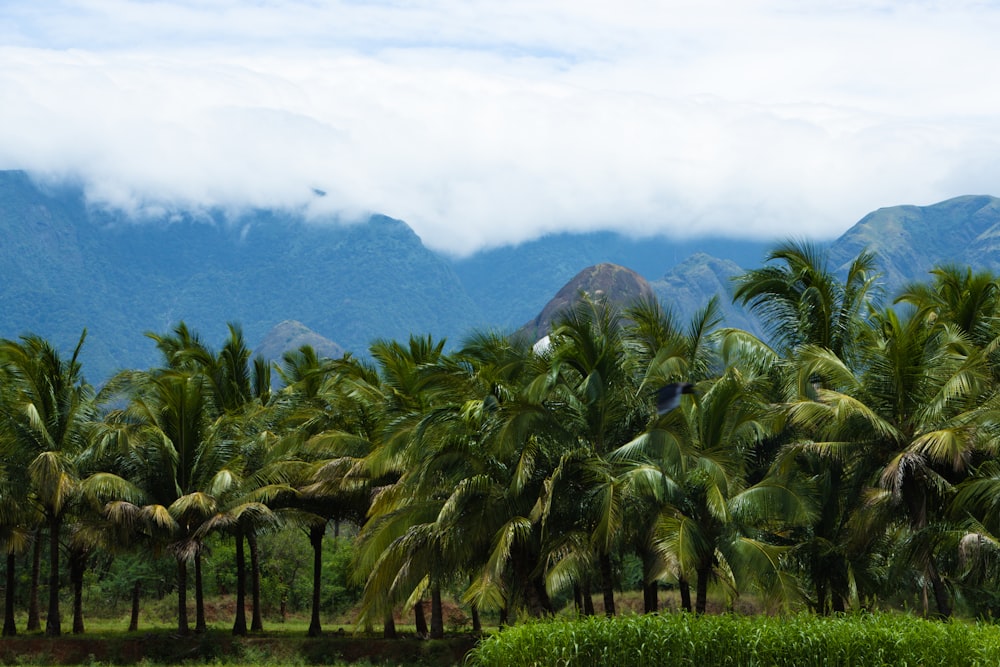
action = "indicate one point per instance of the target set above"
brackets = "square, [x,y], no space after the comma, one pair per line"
[291,335]
[687,288]
[510,284]
[66,266]
[911,240]
[619,285]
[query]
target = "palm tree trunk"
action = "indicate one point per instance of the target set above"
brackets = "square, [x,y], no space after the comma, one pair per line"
[940,592]
[650,601]
[477,624]
[542,596]
[388,626]
[650,587]
[240,623]
[916,501]
[9,628]
[34,612]
[821,607]
[182,612]
[316,540]
[257,620]
[685,588]
[437,612]
[133,622]
[53,626]
[588,598]
[419,620]
[77,565]
[607,584]
[702,590]
[199,595]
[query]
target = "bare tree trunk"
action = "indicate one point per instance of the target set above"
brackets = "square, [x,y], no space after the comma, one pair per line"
[199,595]
[9,628]
[821,607]
[240,622]
[388,626]
[588,598]
[53,626]
[437,612]
[650,599]
[701,598]
[316,540]
[183,628]
[419,620]
[133,622]
[77,565]
[940,592]
[607,584]
[685,589]
[650,586]
[477,624]
[34,612]
[257,619]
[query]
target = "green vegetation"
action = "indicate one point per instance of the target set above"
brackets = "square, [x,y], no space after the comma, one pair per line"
[879,640]
[847,464]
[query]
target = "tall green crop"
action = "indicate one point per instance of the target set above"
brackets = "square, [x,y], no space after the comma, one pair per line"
[743,641]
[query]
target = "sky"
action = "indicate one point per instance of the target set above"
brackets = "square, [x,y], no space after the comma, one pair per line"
[483,123]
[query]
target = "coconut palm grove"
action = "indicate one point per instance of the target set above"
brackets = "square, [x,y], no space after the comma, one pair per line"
[844,460]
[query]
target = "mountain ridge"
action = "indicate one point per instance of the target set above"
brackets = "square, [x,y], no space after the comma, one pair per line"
[67,266]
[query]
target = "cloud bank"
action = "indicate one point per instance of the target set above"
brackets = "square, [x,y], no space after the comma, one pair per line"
[483,123]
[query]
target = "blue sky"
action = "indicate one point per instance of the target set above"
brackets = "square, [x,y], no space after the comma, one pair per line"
[482,123]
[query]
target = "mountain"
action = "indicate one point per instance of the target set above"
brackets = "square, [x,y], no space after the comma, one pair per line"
[618,284]
[290,335]
[910,240]
[66,266]
[687,287]
[510,283]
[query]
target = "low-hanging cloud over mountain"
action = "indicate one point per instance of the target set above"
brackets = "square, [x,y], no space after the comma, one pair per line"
[483,123]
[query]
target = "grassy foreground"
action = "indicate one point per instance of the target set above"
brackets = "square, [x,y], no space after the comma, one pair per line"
[744,641]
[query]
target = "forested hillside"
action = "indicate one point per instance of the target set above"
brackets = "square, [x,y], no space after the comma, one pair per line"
[66,266]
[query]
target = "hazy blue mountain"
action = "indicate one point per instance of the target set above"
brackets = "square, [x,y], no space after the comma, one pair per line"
[512,283]
[291,335]
[620,285]
[687,287]
[65,266]
[911,240]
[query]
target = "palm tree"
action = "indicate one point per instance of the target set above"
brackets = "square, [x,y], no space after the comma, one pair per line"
[242,391]
[713,522]
[329,413]
[957,296]
[178,462]
[907,419]
[665,352]
[801,301]
[401,535]
[16,534]
[496,449]
[47,420]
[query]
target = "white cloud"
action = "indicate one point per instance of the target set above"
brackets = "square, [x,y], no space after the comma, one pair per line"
[483,123]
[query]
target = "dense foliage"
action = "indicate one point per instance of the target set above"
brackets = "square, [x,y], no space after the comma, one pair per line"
[879,640]
[846,463]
